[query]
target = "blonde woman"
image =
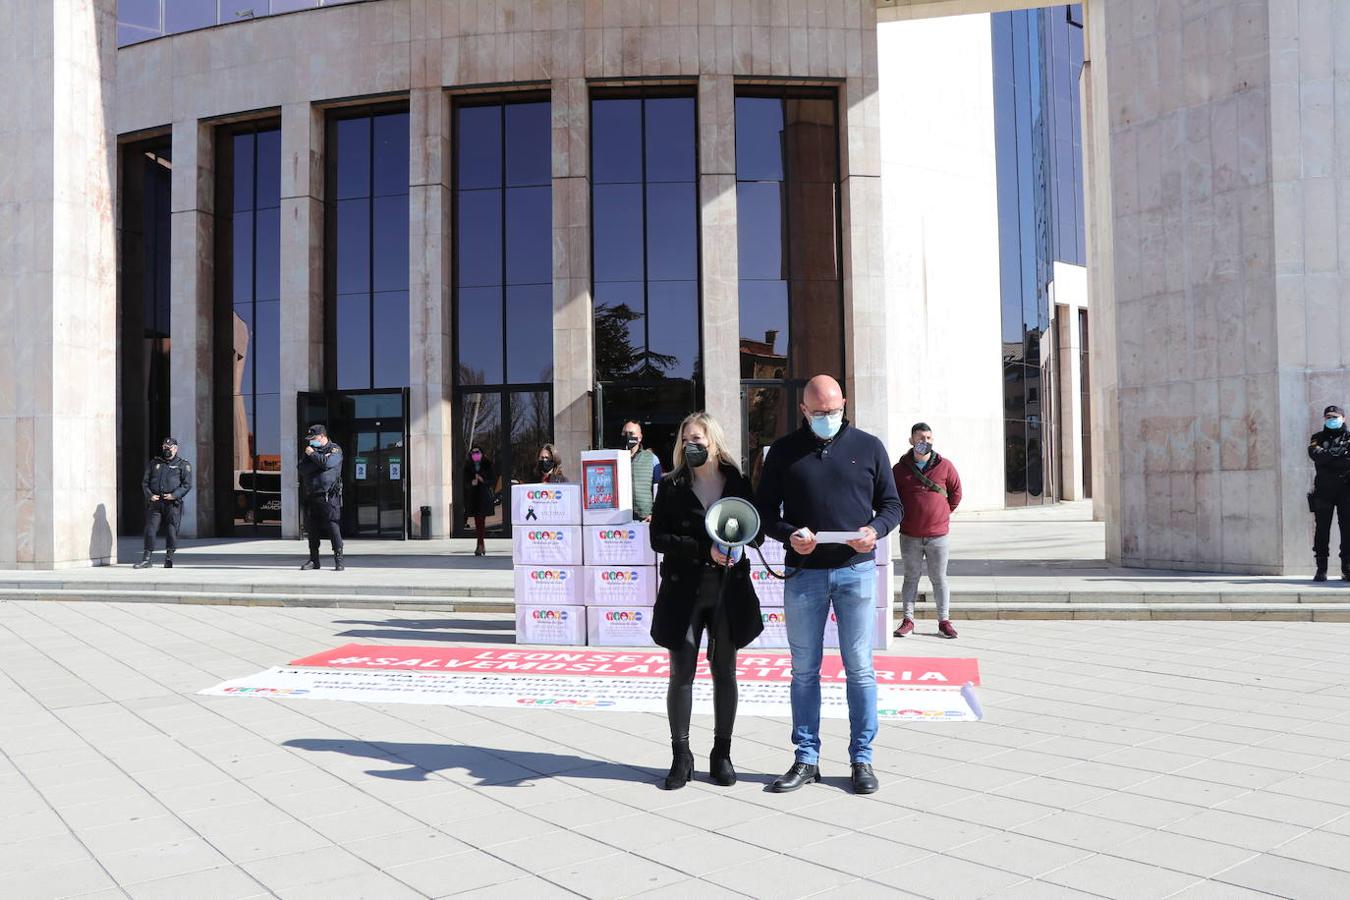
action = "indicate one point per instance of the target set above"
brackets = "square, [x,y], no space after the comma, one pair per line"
[699,592]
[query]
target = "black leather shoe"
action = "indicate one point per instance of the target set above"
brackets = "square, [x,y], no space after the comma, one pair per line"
[168,561]
[143,564]
[720,768]
[864,781]
[337,562]
[801,773]
[1345,571]
[1321,574]
[310,564]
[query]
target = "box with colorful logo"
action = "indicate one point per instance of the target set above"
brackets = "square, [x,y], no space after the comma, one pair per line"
[618,545]
[881,629]
[606,487]
[775,553]
[619,626]
[619,585]
[547,545]
[885,587]
[562,585]
[774,634]
[768,588]
[545,504]
[551,624]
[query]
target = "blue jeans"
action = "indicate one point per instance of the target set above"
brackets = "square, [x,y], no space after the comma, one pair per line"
[807,597]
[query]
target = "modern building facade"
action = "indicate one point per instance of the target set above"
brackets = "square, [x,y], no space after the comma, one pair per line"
[435,224]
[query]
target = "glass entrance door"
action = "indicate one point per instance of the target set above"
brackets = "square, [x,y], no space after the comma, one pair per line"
[376,473]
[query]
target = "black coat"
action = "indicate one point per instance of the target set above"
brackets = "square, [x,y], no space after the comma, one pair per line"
[480,499]
[172,477]
[1329,449]
[321,474]
[678,534]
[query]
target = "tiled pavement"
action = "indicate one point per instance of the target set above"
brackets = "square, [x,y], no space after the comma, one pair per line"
[1121,759]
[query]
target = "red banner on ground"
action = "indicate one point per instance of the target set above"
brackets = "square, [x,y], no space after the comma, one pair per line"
[751,665]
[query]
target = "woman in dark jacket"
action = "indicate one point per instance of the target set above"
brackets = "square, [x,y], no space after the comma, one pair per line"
[699,592]
[480,501]
[549,467]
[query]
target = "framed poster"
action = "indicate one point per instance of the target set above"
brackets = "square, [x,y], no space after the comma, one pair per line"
[599,480]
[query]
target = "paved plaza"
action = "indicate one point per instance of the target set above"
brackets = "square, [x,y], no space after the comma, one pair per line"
[1119,759]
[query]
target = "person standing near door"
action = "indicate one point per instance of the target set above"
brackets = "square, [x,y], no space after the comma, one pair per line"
[167,480]
[646,471]
[321,491]
[480,499]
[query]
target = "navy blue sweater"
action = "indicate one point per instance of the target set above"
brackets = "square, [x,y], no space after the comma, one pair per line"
[836,485]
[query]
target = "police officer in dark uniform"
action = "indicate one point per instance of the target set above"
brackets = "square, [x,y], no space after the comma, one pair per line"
[321,493]
[1329,450]
[167,480]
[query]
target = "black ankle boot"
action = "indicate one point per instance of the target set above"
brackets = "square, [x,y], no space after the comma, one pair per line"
[144,563]
[311,563]
[719,763]
[681,765]
[337,561]
[168,560]
[1345,570]
[1321,569]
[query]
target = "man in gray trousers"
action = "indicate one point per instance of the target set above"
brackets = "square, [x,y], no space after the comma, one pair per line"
[929,490]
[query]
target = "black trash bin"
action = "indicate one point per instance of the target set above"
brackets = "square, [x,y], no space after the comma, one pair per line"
[426,523]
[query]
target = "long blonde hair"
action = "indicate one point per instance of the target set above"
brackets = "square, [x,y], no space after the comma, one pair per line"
[715,435]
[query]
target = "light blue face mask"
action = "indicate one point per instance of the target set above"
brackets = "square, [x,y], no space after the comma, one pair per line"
[827,426]
[1333,423]
[315,444]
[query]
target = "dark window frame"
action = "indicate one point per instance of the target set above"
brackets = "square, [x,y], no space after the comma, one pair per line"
[224,305]
[330,201]
[643,91]
[784,93]
[469,101]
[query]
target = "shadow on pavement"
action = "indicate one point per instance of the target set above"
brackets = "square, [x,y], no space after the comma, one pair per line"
[504,768]
[467,630]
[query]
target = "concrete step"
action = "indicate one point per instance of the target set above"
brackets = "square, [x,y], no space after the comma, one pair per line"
[1005,607]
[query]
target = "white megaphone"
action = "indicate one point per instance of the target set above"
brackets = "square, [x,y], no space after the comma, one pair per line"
[732,523]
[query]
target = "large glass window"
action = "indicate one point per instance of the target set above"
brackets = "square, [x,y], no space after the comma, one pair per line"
[141,20]
[645,261]
[1037,55]
[248,328]
[367,251]
[143,415]
[503,298]
[788,230]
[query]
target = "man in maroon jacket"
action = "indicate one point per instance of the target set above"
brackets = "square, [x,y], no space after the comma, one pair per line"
[929,490]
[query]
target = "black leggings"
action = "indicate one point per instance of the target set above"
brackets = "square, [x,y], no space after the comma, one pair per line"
[684,663]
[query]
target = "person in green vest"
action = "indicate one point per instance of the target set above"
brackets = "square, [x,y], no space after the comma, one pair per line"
[646,471]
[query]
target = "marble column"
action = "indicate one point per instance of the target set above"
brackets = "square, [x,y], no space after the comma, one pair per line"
[302,153]
[865,312]
[429,308]
[58,253]
[191,316]
[720,265]
[573,350]
[1221,191]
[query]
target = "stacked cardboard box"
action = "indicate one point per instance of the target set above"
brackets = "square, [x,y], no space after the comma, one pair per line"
[550,598]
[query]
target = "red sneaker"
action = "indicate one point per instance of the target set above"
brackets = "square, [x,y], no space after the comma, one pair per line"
[945,629]
[905,628]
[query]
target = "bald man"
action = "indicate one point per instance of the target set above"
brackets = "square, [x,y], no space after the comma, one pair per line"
[829,476]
